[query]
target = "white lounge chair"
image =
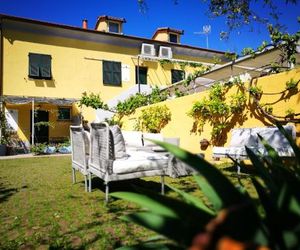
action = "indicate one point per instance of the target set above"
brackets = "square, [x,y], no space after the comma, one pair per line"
[80,152]
[104,164]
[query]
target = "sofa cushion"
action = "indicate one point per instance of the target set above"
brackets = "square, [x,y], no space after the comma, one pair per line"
[118,141]
[140,161]
[152,136]
[132,138]
[243,137]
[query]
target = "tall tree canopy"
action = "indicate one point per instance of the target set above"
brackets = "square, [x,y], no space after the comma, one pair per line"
[239,13]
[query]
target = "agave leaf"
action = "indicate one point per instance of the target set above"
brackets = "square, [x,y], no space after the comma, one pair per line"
[209,192]
[178,230]
[168,206]
[292,143]
[150,246]
[221,185]
[190,199]
[147,202]
[272,153]
[263,172]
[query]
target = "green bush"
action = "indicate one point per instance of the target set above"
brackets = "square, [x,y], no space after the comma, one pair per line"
[227,216]
[154,119]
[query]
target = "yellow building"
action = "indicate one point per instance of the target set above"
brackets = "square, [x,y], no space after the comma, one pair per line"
[46,67]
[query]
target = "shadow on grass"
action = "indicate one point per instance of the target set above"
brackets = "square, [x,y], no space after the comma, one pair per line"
[6,193]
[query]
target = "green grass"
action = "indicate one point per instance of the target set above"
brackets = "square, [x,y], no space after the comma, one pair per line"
[40,207]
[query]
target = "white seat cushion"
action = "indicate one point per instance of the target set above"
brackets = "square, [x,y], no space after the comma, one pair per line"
[152,136]
[138,161]
[132,138]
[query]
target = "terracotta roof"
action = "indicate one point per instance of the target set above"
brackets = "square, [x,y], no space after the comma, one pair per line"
[69,27]
[111,18]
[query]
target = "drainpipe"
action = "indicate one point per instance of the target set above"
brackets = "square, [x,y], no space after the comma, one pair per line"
[138,73]
[32,123]
[1,59]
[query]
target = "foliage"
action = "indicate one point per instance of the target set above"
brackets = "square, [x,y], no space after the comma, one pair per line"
[290,112]
[115,120]
[154,119]
[38,148]
[268,109]
[179,93]
[197,73]
[43,124]
[231,56]
[286,42]
[129,105]
[138,100]
[5,132]
[216,111]
[227,217]
[92,100]
[255,90]
[248,51]
[291,84]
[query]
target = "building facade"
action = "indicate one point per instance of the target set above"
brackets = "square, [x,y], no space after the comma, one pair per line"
[46,67]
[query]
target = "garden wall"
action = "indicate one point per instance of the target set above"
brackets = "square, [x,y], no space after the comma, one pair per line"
[274,95]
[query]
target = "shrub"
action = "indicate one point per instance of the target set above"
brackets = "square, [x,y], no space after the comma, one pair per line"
[154,119]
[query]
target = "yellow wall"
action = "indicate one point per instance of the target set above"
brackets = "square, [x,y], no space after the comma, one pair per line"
[76,68]
[72,72]
[181,124]
[58,129]
[160,36]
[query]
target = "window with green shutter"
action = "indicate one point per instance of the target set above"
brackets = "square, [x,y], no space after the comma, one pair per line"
[177,75]
[112,73]
[39,66]
[64,113]
[142,77]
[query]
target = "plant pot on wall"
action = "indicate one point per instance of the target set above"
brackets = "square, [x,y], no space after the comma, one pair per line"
[204,143]
[2,149]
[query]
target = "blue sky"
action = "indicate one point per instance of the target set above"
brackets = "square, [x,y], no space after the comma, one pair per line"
[189,15]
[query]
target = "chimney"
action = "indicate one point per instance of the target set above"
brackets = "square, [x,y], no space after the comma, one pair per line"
[84,23]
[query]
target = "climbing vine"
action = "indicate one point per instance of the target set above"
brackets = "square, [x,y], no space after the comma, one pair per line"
[153,119]
[218,112]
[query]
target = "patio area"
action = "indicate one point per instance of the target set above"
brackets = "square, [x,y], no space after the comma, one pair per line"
[41,208]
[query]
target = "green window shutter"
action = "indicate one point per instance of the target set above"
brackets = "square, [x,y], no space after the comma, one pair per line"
[34,62]
[117,74]
[143,71]
[45,66]
[107,72]
[177,75]
[112,73]
[39,66]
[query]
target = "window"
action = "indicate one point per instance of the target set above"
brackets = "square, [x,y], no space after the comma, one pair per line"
[39,66]
[64,114]
[143,71]
[113,27]
[112,73]
[177,75]
[173,38]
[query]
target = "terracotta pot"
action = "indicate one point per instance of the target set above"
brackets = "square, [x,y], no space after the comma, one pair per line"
[204,144]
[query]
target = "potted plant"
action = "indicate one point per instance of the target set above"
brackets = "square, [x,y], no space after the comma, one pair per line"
[204,143]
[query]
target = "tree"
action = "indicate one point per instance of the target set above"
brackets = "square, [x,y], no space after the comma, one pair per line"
[240,13]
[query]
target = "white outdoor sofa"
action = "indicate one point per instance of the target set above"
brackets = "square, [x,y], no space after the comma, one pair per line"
[80,142]
[110,161]
[242,137]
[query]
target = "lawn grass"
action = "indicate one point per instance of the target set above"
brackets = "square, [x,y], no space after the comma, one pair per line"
[41,208]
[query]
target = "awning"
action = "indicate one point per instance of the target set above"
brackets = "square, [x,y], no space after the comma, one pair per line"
[48,100]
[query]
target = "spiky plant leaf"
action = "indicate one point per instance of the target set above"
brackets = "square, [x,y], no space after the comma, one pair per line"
[222,186]
[263,172]
[179,230]
[209,192]
[190,199]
